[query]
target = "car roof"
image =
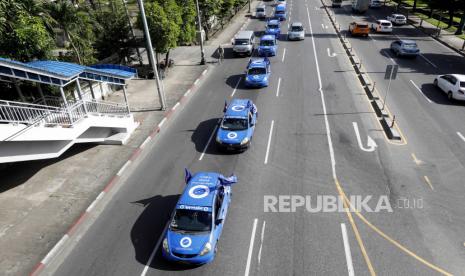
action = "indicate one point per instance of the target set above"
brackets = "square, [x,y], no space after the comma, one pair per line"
[268,37]
[200,191]
[238,108]
[397,14]
[407,41]
[257,63]
[296,24]
[384,21]
[459,77]
[273,21]
[361,23]
[280,7]
[244,35]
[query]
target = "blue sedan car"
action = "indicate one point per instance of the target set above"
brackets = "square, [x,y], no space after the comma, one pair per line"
[197,223]
[280,12]
[238,125]
[405,48]
[273,27]
[268,46]
[258,72]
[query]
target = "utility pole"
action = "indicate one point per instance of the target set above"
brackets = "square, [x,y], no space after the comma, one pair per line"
[161,93]
[202,52]
[132,32]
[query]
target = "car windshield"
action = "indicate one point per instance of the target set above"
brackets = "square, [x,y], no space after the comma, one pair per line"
[297,28]
[279,12]
[400,17]
[191,221]
[260,9]
[362,26]
[267,43]
[235,123]
[257,71]
[241,42]
[410,45]
[272,26]
[462,84]
[385,24]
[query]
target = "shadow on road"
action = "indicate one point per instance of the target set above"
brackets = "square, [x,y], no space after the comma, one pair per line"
[148,230]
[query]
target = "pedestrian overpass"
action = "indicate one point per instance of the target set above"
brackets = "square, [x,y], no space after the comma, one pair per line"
[50,125]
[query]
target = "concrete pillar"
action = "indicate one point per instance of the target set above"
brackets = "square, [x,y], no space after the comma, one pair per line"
[78,85]
[126,98]
[20,93]
[39,88]
[91,90]
[62,92]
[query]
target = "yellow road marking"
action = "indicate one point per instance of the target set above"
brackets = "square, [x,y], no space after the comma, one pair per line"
[357,234]
[416,160]
[429,182]
[386,237]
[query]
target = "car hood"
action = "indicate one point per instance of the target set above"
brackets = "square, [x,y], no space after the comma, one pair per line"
[296,33]
[272,30]
[186,244]
[266,47]
[233,137]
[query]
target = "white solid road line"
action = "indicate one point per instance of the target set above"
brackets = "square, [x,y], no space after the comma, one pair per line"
[261,242]
[429,61]
[252,239]
[421,92]
[208,143]
[146,268]
[461,136]
[279,85]
[350,266]
[284,55]
[269,142]
[235,87]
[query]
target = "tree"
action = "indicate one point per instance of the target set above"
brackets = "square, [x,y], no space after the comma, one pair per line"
[113,32]
[23,36]
[209,9]
[189,15]
[77,27]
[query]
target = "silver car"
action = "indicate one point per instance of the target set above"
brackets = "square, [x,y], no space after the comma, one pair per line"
[296,31]
[405,48]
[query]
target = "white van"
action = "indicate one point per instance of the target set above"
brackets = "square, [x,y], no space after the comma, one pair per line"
[244,43]
[260,11]
[375,4]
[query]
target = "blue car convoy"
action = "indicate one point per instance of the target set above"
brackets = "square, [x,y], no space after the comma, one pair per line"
[258,72]
[273,27]
[268,46]
[197,222]
[238,125]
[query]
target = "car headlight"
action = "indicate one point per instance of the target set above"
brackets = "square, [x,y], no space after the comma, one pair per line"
[245,140]
[207,248]
[165,245]
[218,140]
[265,78]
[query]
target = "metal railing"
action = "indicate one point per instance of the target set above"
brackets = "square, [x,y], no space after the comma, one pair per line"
[52,101]
[106,108]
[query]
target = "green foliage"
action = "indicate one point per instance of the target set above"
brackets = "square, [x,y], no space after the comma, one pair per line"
[208,10]
[188,17]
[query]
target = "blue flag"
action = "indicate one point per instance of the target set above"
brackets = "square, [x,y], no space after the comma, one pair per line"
[227,181]
[187,176]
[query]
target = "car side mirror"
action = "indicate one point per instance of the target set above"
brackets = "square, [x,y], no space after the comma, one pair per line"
[218,221]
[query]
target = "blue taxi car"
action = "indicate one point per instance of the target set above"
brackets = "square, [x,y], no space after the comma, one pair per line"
[273,27]
[258,72]
[197,222]
[238,125]
[268,46]
[280,12]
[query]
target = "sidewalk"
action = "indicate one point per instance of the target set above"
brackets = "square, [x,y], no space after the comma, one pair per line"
[40,200]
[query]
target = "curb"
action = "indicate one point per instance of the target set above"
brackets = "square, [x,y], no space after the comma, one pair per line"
[383,115]
[114,180]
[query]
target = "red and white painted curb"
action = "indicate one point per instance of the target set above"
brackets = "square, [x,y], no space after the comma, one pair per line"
[58,246]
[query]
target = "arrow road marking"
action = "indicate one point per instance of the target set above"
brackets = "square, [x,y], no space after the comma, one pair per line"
[329,53]
[370,142]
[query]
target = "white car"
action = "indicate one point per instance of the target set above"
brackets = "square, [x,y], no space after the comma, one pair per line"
[280,2]
[296,31]
[453,85]
[398,19]
[382,26]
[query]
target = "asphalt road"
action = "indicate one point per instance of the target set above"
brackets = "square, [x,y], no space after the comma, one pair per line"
[313,150]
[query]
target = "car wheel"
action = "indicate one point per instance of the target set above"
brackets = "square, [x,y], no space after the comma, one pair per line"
[435,82]
[450,97]
[397,53]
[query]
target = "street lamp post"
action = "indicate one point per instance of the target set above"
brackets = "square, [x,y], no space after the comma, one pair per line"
[161,92]
[199,22]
